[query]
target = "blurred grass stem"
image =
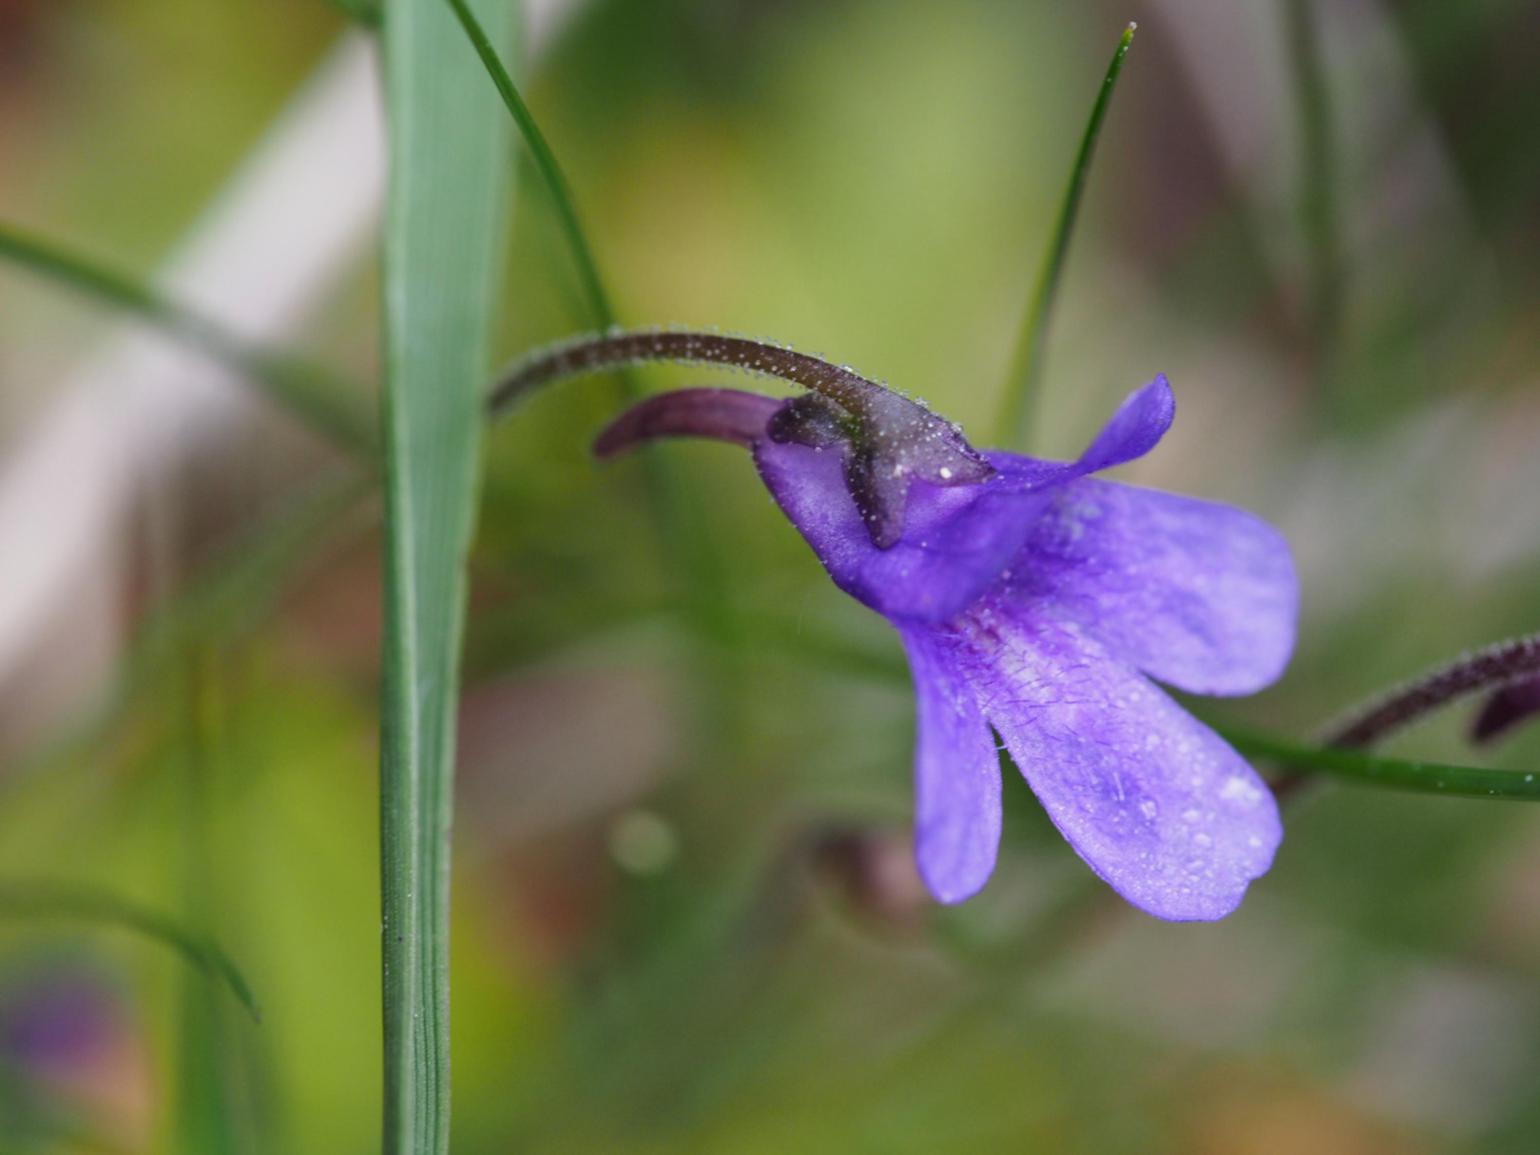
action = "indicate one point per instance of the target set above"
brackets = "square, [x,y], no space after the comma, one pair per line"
[1317,189]
[364,12]
[317,395]
[76,902]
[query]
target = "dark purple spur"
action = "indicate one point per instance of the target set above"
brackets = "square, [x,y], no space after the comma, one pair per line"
[1038,601]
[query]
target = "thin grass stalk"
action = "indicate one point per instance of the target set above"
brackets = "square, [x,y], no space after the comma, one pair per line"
[1023,381]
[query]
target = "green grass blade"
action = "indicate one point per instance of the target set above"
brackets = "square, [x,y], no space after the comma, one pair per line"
[545,163]
[1026,366]
[1395,773]
[316,395]
[68,901]
[445,201]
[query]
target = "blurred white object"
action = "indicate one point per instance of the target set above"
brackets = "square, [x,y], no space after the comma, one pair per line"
[290,225]
[293,220]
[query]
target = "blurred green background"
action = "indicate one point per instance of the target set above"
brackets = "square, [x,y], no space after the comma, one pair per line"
[684,914]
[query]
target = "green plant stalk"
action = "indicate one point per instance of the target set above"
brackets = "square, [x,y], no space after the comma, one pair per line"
[1396,773]
[314,394]
[1022,383]
[446,196]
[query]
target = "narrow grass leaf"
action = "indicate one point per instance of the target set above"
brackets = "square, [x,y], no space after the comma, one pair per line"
[72,902]
[318,396]
[1022,384]
[545,163]
[446,195]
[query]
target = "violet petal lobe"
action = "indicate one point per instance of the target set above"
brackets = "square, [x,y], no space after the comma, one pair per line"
[1156,803]
[1199,595]
[957,775]
[1135,429]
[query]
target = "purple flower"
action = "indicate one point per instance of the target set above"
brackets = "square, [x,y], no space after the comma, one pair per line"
[1038,601]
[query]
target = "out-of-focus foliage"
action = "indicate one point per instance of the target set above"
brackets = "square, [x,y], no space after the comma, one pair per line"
[683,918]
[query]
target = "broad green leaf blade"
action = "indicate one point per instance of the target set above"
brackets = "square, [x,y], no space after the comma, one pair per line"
[314,394]
[445,204]
[68,901]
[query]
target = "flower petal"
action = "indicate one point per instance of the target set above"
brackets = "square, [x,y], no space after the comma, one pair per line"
[1158,805]
[1199,595]
[1140,422]
[956,541]
[957,775]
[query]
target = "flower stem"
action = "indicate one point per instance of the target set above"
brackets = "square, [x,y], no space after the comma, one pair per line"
[1496,666]
[1397,773]
[839,383]
[1490,668]
[1026,366]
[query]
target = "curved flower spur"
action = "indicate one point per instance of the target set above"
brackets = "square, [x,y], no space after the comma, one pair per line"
[1031,598]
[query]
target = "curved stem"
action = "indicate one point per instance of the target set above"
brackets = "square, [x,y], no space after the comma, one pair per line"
[1490,668]
[1498,665]
[839,383]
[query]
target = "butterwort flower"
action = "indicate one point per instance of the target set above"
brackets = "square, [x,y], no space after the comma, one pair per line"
[1033,600]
